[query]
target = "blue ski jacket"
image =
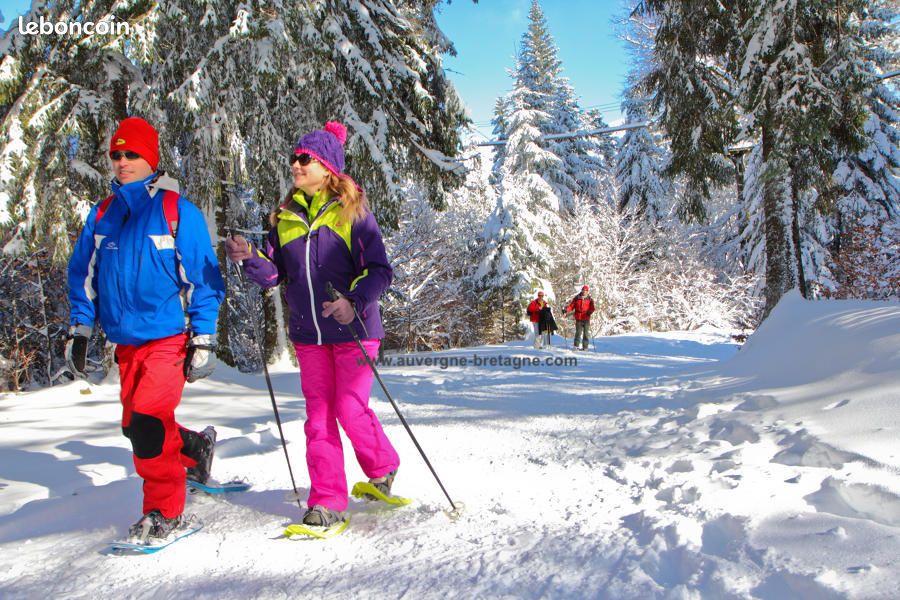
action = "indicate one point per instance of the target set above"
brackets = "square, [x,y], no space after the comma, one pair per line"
[140,280]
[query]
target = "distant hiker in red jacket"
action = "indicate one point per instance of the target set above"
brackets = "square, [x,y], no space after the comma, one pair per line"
[583,307]
[534,314]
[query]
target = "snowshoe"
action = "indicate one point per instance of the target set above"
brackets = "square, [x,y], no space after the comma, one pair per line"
[319,522]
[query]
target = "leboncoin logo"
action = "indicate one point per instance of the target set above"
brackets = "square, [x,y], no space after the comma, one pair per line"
[44,27]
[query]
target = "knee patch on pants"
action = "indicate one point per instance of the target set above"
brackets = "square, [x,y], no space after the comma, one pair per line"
[147,435]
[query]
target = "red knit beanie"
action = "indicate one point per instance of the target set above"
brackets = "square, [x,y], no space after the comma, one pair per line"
[137,135]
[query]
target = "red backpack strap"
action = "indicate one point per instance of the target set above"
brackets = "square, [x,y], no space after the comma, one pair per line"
[170,210]
[103,206]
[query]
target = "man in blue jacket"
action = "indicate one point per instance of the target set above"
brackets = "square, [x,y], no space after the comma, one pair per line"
[144,267]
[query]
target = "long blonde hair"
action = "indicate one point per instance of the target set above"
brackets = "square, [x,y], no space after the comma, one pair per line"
[351,197]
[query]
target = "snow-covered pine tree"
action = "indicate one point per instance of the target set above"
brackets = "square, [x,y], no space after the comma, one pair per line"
[870,179]
[262,74]
[640,164]
[641,160]
[540,88]
[737,236]
[795,65]
[693,94]
[801,83]
[587,160]
[381,66]
[519,233]
[60,96]
[868,182]
[500,122]
[582,169]
[600,171]
[237,82]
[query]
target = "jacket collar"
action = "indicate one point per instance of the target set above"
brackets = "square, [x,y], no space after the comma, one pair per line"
[300,205]
[133,191]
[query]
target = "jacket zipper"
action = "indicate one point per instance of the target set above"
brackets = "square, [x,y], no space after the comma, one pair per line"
[309,283]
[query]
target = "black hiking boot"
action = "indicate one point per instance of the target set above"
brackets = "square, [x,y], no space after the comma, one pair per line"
[319,516]
[383,484]
[153,527]
[200,472]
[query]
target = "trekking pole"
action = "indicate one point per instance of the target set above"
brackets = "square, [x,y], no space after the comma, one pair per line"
[262,355]
[335,295]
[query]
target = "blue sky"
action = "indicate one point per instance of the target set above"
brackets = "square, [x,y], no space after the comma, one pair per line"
[11,10]
[488,35]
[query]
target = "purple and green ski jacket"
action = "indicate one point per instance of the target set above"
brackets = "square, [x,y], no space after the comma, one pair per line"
[307,255]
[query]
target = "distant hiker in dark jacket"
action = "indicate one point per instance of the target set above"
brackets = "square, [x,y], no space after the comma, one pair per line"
[534,315]
[547,324]
[324,232]
[583,307]
[144,267]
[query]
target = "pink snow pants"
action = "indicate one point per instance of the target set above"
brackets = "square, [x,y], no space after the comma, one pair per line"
[336,382]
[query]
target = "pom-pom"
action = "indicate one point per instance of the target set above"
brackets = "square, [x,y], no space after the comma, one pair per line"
[337,130]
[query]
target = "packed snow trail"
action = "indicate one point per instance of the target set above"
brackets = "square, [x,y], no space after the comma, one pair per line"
[661,466]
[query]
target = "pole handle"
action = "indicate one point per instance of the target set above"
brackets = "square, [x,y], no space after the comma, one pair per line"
[333,293]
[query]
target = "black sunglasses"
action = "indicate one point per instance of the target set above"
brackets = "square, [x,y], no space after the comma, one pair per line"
[119,154]
[304,159]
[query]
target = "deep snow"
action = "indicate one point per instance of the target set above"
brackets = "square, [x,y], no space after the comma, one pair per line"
[661,466]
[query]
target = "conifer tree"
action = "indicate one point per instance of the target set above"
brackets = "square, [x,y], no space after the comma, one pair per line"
[868,182]
[539,88]
[228,83]
[640,163]
[643,188]
[693,95]
[801,81]
[519,231]
[60,96]
[790,69]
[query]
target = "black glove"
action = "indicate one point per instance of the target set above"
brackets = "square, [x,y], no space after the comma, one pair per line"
[200,360]
[76,349]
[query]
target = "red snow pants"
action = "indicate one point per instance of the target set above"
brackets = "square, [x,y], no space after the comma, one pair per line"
[336,382]
[152,379]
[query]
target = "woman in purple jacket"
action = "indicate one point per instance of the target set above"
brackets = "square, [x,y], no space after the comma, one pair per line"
[324,233]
